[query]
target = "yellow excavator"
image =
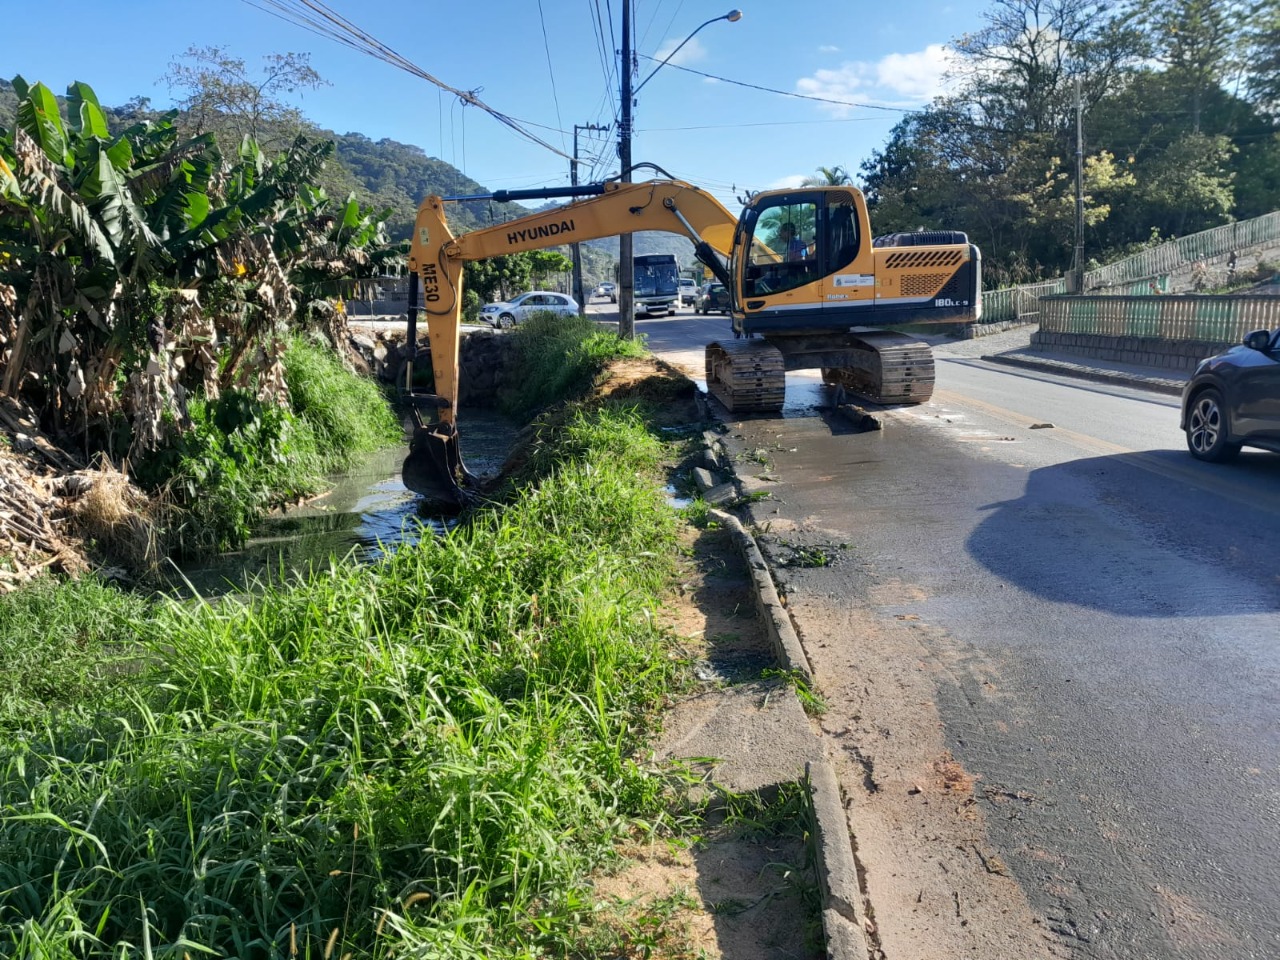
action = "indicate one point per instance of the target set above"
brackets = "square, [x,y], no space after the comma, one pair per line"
[810,288]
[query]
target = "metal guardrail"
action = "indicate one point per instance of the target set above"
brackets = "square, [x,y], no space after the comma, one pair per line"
[1143,273]
[1018,303]
[1220,319]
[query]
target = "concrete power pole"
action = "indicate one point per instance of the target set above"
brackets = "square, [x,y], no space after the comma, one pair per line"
[575,249]
[626,246]
[1077,279]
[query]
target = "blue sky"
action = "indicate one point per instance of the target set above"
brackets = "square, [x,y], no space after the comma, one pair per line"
[542,62]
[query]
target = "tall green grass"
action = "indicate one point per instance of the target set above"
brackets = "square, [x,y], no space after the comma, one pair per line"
[242,458]
[558,357]
[349,415]
[425,755]
[60,646]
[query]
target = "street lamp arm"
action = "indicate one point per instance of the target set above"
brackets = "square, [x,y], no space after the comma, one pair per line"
[732,16]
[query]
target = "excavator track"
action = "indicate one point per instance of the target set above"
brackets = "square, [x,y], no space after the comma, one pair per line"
[900,370]
[746,375]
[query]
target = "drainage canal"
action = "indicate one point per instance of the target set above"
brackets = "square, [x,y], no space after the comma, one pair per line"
[367,510]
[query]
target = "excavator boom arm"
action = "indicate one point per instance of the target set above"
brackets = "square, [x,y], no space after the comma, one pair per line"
[436,257]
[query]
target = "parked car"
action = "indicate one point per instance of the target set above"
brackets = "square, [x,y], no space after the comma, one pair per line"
[1233,400]
[609,290]
[714,296]
[507,314]
[688,292]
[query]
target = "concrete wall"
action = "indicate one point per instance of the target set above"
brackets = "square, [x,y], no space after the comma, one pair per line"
[1174,355]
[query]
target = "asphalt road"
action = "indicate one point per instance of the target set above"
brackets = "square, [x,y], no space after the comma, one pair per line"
[1097,614]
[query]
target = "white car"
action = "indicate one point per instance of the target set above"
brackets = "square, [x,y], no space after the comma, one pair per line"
[507,314]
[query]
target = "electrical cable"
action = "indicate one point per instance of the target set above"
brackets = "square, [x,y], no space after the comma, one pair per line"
[546,45]
[317,18]
[787,93]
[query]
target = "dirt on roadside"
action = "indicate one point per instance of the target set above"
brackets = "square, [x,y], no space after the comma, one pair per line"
[731,887]
[727,890]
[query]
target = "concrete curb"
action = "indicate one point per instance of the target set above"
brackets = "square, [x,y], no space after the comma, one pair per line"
[844,923]
[1095,374]
[843,920]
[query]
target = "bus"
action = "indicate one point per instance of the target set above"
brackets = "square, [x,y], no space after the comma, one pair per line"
[657,283]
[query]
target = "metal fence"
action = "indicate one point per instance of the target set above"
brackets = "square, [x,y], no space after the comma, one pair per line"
[1221,319]
[1144,273]
[1168,257]
[1018,303]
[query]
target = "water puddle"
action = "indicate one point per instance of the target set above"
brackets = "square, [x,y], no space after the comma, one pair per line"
[366,511]
[674,500]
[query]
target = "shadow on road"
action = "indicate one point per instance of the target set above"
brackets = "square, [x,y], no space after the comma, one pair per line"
[1146,534]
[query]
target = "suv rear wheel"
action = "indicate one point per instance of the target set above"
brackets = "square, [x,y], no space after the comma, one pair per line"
[1207,429]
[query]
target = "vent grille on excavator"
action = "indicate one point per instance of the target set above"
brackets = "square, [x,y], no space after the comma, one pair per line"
[921,284]
[923,258]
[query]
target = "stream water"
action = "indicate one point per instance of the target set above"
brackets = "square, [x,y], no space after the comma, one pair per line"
[366,510]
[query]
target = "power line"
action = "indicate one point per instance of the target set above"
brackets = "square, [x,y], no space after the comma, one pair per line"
[763,123]
[603,48]
[555,96]
[787,93]
[317,18]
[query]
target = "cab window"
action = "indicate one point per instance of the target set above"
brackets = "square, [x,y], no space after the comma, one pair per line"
[842,240]
[783,249]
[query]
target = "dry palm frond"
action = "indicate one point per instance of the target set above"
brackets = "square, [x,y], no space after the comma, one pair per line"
[116,515]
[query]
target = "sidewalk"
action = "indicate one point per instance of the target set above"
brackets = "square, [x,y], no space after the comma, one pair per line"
[1013,348]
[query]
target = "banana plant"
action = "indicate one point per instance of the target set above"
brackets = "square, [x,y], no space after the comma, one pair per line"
[121,251]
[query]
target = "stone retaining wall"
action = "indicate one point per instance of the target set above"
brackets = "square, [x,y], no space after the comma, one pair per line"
[484,357]
[1179,355]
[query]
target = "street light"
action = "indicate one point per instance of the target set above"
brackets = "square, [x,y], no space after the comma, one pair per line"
[733,16]
[626,248]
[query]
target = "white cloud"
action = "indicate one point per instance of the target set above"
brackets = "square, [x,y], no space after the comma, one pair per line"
[691,52]
[828,48]
[784,183]
[897,79]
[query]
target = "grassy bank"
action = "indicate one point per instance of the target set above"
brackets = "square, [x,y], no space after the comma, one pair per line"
[425,755]
[242,458]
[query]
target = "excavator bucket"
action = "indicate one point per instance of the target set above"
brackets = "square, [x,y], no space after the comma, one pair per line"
[434,468]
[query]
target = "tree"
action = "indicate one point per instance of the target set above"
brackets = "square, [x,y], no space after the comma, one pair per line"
[1017,73]
[1263,56]
[125,258]
[828,177]
[218,93]
[1199,42]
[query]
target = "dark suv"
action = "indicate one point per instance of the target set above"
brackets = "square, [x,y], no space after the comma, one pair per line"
[714,296]
[1233,400]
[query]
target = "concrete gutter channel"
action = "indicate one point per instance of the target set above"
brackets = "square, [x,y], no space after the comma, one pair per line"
[843,913]
[844,902]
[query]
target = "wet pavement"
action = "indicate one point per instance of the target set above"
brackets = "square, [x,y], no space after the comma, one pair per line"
[1095,618]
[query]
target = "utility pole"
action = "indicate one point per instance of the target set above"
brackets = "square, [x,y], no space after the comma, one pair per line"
[626,248]
[1077,282]
[575,249]
[626,263]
